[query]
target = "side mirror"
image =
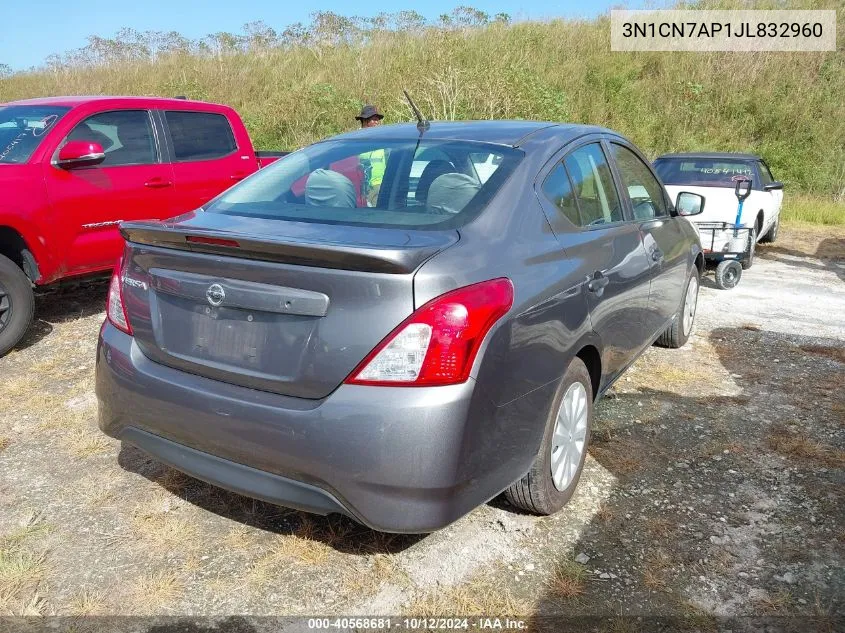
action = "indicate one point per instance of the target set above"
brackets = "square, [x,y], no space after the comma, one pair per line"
[80,154]
[688,203]
[772,186]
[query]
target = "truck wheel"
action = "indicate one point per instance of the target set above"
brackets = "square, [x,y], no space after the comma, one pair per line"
[728,274]
[772,236]
[748,262]
[554,475]
[17,304]
[677,334]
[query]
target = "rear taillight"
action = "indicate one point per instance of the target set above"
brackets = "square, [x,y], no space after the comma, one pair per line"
[115,307]
[438,343]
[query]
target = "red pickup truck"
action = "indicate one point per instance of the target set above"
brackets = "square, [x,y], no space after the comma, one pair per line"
[73,168]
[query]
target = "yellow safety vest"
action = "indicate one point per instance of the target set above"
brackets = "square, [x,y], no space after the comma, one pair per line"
[376,163]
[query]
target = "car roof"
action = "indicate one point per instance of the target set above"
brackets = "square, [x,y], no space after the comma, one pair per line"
[74,101]
[511,133]
[732,155]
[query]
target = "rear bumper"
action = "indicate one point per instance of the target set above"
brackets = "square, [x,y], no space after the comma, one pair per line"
[396,459]
[235,477]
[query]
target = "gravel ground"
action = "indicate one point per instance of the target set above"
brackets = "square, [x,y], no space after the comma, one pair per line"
[714,489]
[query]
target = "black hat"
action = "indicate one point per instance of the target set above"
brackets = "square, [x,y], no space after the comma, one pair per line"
[368,112]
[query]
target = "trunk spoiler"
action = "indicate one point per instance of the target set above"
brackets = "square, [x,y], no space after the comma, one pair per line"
[387,257]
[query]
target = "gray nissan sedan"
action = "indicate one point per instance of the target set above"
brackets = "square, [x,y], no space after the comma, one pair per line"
[399,351]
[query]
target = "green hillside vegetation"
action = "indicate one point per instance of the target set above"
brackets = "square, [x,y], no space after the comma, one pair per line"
[301,84]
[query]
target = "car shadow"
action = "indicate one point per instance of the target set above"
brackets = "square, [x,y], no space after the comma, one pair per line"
[829,255]
[708,279]
[62,303]
[714,497]
[339,532]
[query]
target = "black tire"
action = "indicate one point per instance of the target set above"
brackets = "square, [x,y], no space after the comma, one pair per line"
[17,304]
[536,491]
[748,262]
[771,235]
[675,335]
[728,274]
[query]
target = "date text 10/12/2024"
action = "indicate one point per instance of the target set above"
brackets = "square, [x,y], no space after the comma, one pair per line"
[415,624]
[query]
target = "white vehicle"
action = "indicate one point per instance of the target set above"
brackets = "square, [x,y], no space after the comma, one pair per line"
[714,175]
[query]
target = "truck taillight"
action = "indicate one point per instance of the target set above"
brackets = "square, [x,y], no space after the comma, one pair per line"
[438,343]
[115,307]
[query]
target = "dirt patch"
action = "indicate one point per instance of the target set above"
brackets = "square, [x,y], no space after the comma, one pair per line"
[823,243]
[836,353]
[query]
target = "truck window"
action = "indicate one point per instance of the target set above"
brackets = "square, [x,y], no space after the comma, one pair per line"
[22,128]
[200,135]
[127,136]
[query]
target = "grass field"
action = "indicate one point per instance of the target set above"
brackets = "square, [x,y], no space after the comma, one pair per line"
[304,82]
[804,209]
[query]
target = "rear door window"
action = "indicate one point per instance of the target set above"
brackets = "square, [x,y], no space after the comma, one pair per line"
[593,186]
[199,135]
[127,137]
[558,190]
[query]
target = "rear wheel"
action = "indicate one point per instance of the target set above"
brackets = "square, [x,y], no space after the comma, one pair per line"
[553,477]
[728,274]
[17,304]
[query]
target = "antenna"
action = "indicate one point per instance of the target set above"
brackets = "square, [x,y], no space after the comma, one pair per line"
[422,122]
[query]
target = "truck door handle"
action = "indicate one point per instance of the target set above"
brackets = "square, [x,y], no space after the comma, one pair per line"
[237,176]
[157,183]
[598,282]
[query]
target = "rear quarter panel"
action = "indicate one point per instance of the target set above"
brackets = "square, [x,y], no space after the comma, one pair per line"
[532,345]
[523,358]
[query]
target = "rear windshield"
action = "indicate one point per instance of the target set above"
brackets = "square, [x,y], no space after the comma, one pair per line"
[22,128]
[703,172]
[418,184]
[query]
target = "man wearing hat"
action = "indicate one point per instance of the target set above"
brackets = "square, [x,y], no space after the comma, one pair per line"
[370,116]
[373,162]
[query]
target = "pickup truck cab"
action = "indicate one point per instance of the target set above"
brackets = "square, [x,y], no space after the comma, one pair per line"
[713,175]
[73,168]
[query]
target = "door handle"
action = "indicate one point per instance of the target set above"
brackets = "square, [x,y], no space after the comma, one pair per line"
[598,282]
[657,255]
[237,176]
[158,184]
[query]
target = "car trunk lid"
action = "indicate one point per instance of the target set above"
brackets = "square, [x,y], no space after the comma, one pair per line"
[277,306]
